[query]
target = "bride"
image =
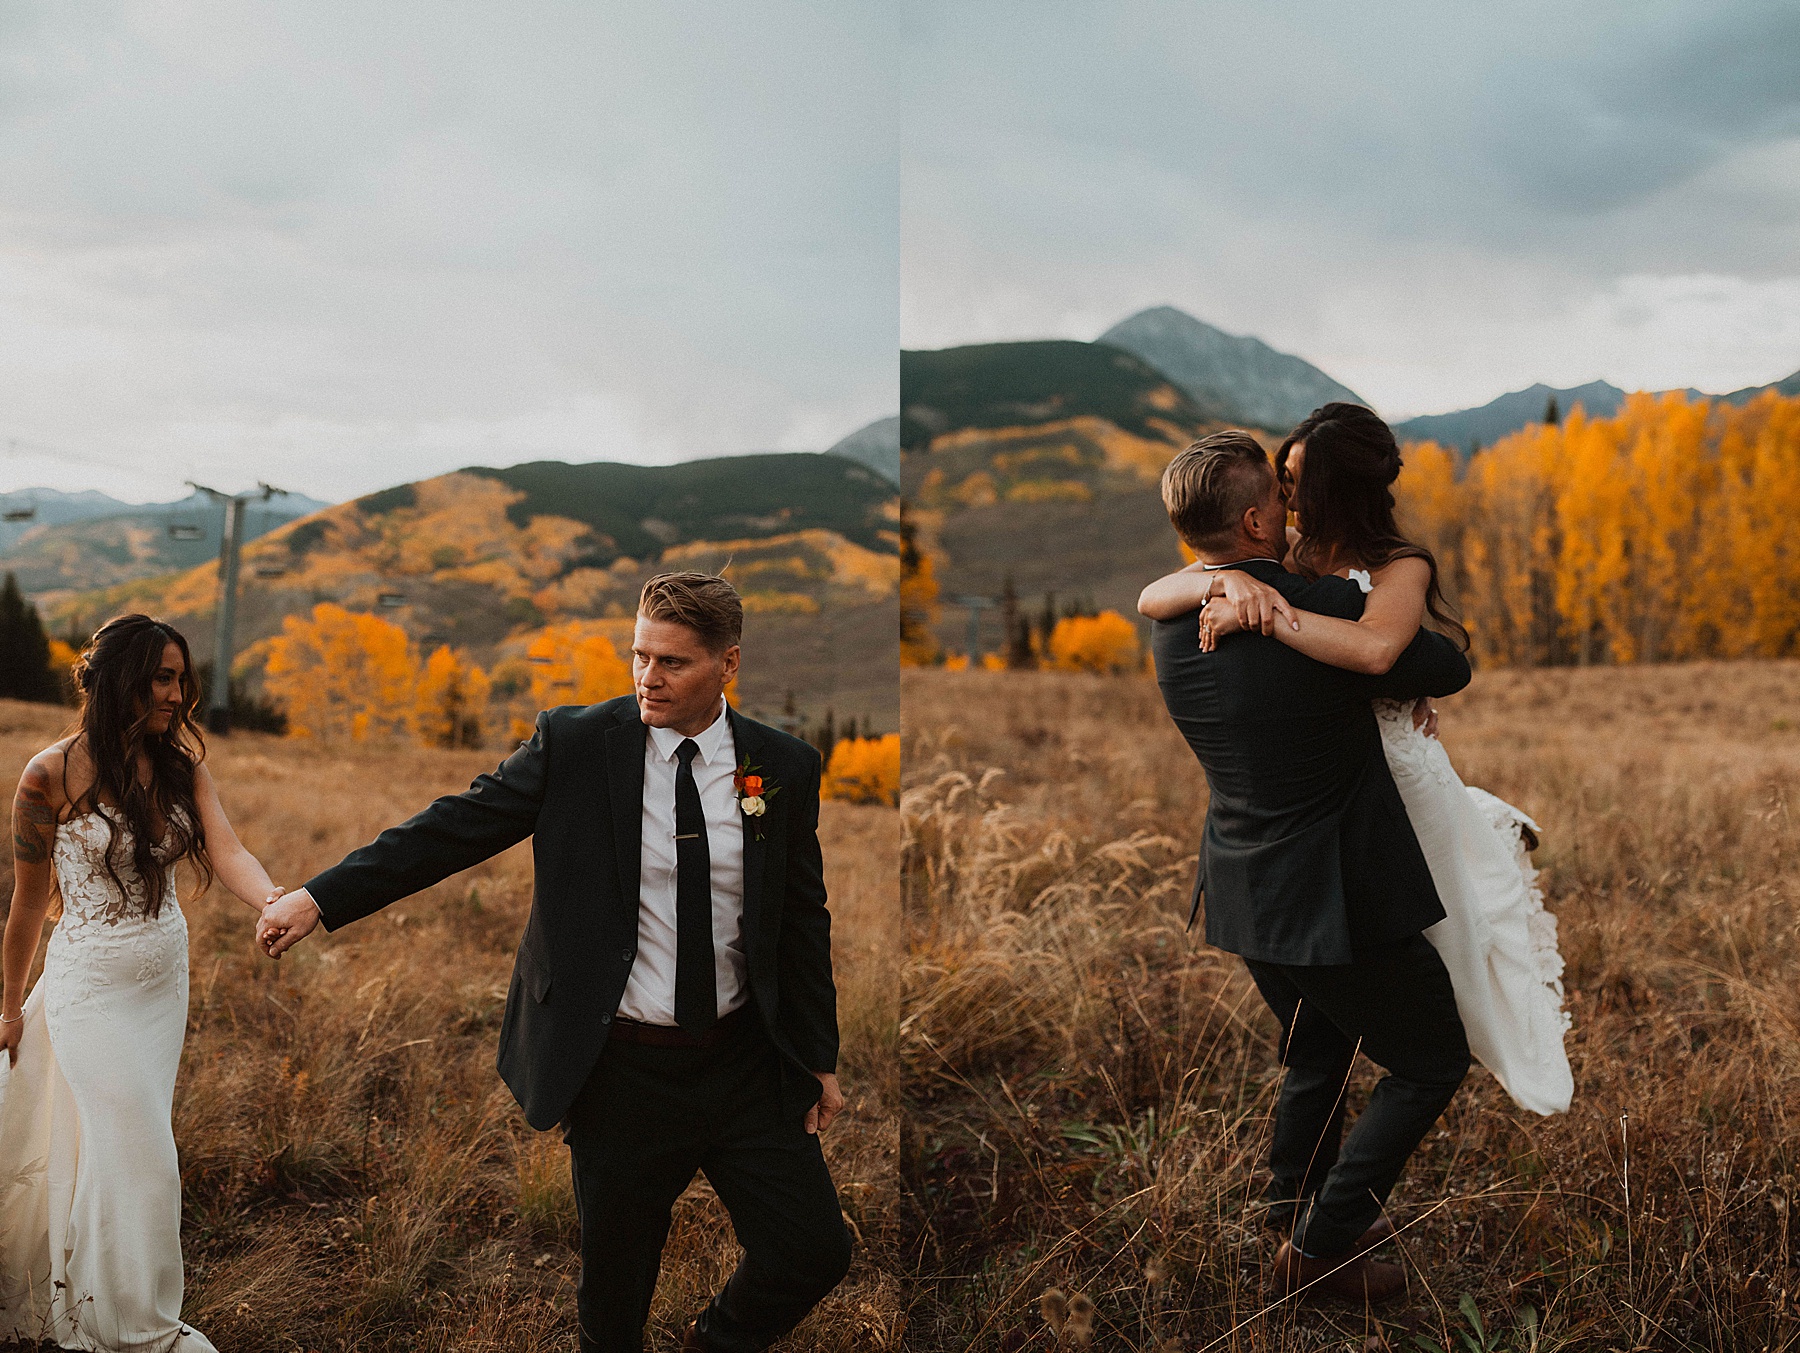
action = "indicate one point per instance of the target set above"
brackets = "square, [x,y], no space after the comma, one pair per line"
[1497,940]
[90,1189]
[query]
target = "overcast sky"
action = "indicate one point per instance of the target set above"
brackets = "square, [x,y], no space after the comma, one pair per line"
[1435,204]
[339,245]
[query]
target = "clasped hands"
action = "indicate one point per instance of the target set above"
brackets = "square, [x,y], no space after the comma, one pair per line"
[1241,603]
[287,918]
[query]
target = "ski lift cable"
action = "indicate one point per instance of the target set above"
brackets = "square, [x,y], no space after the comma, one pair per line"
[22,446]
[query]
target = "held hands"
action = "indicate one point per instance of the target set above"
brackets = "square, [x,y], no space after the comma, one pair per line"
[286,920]
[1256,603]
[1217,618]
[1424,716]
[831,1103]
[1246,604]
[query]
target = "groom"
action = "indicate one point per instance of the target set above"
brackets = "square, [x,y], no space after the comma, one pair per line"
[671,1006]
[1312,874]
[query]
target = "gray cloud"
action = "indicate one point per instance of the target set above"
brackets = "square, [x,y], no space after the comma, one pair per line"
[1418,198]
[352,243]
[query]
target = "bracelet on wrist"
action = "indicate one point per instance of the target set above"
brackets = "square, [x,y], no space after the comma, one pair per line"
[14,1020]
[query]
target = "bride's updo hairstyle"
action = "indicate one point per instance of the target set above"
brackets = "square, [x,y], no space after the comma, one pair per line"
[1344,500]
[113,677]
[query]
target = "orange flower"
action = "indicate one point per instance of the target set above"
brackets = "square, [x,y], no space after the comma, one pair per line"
[753,785]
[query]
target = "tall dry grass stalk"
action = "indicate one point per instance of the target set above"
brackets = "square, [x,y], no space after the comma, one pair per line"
[1089,1086]
[355,1176]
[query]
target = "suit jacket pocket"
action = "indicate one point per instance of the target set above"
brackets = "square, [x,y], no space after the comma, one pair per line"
[535,974]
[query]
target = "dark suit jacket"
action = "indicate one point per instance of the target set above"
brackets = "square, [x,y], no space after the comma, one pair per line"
[1307,855]
[576,788]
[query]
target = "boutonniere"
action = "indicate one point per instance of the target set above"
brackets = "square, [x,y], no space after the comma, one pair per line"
[753,791]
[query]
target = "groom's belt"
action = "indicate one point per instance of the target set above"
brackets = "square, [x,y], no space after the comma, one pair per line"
[673,1036]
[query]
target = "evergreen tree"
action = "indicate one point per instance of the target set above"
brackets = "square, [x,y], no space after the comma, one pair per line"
[1552,413]
[1015,628]
[24,650]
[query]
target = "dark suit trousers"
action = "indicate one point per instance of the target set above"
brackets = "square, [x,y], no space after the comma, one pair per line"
[1397,1005]
[646,1120]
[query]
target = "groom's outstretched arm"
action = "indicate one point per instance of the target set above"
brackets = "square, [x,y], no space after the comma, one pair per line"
[498,810]
[459,830]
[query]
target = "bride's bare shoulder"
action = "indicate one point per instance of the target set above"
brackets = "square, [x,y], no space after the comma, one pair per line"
[49,775]
[1408,571]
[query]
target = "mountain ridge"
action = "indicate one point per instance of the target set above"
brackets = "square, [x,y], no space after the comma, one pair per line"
[1505,414]
[1238,376]
[876,445]
[75,541]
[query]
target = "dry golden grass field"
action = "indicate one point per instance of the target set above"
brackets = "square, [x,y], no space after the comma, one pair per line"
[355,1175]
[1089,1087]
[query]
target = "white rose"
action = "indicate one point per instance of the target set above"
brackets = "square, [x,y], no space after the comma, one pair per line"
[753,805]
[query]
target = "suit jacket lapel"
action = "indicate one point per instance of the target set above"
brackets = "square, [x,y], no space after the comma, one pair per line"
[750,748]
[625,788]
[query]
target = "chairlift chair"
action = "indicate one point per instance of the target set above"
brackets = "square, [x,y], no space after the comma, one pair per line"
[186,530]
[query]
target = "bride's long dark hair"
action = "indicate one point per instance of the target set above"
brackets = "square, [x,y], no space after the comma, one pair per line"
[1345,501]
[114,676]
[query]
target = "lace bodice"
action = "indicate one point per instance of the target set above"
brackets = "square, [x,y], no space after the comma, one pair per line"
[104,935]
[1409,752]
[88,891]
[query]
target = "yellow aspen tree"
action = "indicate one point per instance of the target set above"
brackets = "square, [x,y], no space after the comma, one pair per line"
[1771,572]
[864,770]
[1729,549]
[1668,467]
[1107,642]
[918,600]
[1428,503]
[340,674]
[1593,561]
[451,703]
[575,664]
[1511,542]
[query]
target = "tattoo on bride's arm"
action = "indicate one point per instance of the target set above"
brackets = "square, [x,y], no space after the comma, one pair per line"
[34,817]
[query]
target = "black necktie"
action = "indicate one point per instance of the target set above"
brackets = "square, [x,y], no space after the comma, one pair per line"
[696,989]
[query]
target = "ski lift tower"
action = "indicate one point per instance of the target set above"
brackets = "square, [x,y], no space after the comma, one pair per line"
[975,606]
[218,699]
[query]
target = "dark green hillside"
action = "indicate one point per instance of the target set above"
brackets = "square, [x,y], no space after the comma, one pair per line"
[997,385]
[638,510]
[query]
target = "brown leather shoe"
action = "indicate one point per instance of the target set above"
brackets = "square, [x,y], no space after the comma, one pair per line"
[691,1342]
[1350,1277]
[1380,1231]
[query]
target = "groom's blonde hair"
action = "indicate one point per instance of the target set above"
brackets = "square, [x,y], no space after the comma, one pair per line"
[1208,487]
[706,604]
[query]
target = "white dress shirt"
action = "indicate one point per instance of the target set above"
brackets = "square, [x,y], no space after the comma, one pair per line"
[650,992]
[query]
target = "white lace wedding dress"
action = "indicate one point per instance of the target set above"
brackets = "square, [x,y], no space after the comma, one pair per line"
[1497,940]
[90,1190]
